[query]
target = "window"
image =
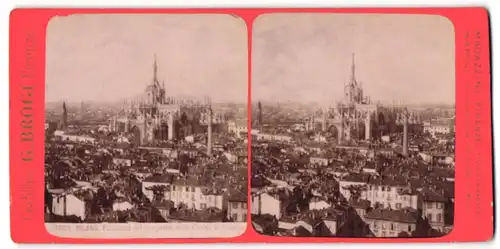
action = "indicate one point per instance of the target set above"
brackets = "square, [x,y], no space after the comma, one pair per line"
[186,189]
[173,187]
[234,205]
[392,227]
[398,205]
[383,188]
[388,189]
[203,205]
[244,205]
[192,189]
[439,218]
[409,228]
[429,205]
[429,217]
[244,217]
[370,187]
[234,217]
[439,205]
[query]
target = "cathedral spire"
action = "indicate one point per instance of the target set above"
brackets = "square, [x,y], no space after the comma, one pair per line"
[353,70]
[155,70]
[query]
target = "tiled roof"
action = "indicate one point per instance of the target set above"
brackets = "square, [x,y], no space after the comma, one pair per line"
[361,203]
[402,215]
[238,196]
[160,178]
[432,196]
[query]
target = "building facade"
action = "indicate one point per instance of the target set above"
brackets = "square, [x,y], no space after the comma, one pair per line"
[356,116]
[155,116]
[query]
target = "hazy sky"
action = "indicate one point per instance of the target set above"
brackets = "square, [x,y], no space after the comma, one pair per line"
[307,57]
[110,57]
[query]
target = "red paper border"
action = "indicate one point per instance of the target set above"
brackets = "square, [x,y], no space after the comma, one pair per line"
[474,188]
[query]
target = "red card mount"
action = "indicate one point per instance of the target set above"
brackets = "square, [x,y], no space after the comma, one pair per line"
[473,175]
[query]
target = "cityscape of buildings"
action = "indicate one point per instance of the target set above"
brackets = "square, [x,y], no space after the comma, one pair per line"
[356,169]
[154,159]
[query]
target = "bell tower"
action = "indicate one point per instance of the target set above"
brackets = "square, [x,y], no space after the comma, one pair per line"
[259,113]
[64,119]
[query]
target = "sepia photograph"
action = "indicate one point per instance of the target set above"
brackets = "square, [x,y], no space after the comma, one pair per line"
[146,126]
[353,125]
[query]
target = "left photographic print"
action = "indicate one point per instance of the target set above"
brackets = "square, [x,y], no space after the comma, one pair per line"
[146,126]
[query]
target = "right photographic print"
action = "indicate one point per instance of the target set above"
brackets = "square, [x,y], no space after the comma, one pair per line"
[353,125]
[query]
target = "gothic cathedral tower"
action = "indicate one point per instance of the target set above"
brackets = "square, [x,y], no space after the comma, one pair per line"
[352,91]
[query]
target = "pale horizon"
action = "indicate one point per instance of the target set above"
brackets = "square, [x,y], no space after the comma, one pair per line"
[109,57]
[307,57]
